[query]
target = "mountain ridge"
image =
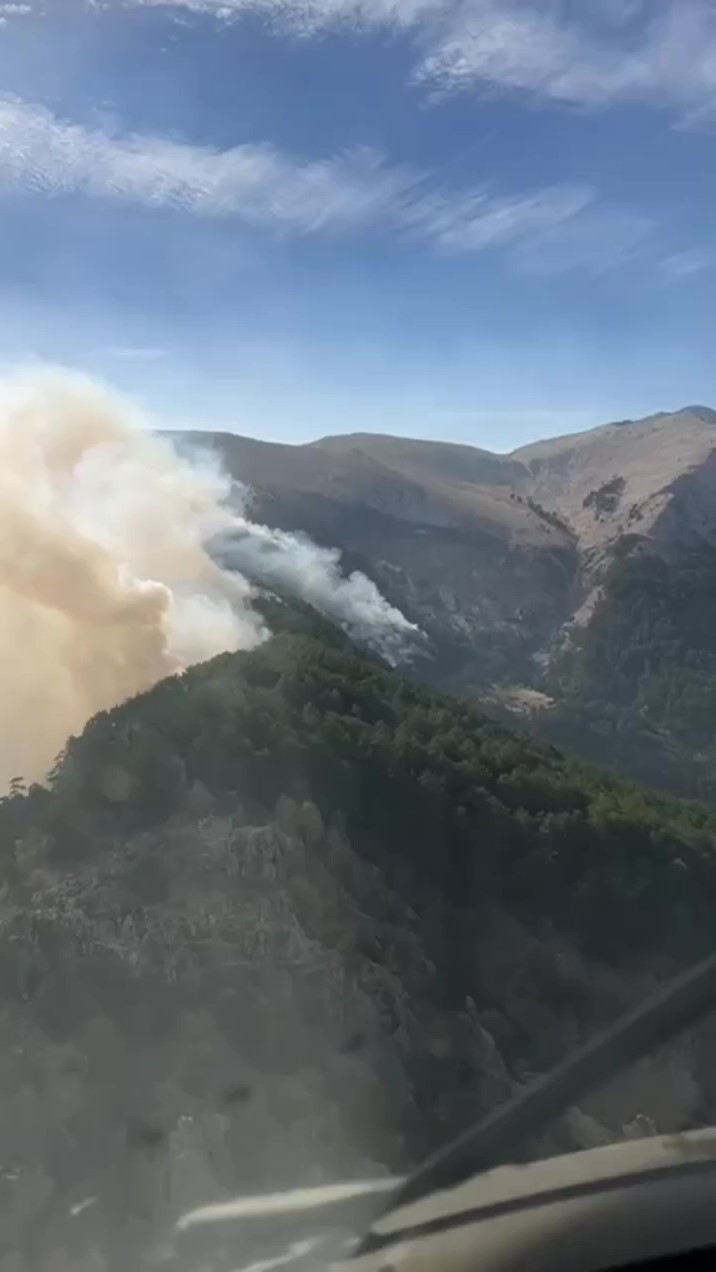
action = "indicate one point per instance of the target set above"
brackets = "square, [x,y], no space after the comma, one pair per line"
[706,413]
[510,563]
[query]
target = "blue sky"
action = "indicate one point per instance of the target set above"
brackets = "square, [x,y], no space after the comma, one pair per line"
[483,220]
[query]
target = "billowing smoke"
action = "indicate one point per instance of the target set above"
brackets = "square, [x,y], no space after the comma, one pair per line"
[106,584]
[293,562]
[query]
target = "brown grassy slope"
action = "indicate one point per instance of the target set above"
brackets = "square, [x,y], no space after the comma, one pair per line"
[432,488]
[645,462]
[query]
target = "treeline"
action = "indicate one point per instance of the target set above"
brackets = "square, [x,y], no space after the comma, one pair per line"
[423,785]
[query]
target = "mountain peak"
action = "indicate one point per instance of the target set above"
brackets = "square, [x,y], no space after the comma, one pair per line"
[705,413]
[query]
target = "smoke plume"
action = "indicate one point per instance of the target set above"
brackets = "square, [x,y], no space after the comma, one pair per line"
[294,562]
[106,583]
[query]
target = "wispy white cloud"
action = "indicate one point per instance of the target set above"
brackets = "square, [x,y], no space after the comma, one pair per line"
[8,12]
[599,241]
[658,50]
[263,186]
[255,182]
[476,221]
[582,51]
[305,17]
[128,353]
[688,263]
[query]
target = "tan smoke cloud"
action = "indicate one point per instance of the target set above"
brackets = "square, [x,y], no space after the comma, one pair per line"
[105,582]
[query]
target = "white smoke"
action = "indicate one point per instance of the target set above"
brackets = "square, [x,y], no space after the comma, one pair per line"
[295,563]
[106,584]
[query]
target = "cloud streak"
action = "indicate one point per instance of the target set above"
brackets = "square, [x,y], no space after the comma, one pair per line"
[689,263]
[592,52]
[306,17]
[662,53]
[262,186]
[12,10]
[43,154]
[129,353]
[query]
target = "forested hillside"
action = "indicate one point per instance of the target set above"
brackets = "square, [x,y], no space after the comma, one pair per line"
[636,687]
[292,915]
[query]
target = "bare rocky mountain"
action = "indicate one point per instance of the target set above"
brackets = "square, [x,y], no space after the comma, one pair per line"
[510,562]
[652,477]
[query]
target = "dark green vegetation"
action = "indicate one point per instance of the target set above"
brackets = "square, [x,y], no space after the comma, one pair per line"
[637,689]
[294,911]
